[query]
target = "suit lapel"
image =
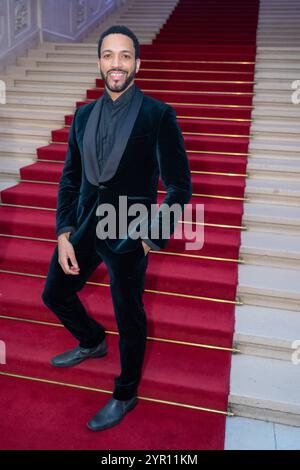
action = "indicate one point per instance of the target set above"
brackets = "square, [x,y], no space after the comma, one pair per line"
[90,157]
[91,165]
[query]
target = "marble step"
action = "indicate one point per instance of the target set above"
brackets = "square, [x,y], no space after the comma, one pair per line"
[31,61]
[60,70]
[137,25]
[29,132]
[143,37]
[272,144]
[265,389]
[276,126]
[263,168]
[266,332]
[270,249]
[18,149]
[269,286]
[39,102]
[266,76]
[10,167]
[282,139]
[280,111]
[274,218]
[31,113]
[271,97]
[278,85]
[270,64]
[285,55]
[53,90]
[273,191]
[58,80]
[276,39]
[19,72]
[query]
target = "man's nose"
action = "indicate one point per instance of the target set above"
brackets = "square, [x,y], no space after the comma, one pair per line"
[116,62]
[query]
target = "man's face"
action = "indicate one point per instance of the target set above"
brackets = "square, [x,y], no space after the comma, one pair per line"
[117,64]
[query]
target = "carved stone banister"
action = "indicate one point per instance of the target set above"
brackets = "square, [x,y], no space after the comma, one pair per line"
[26,23]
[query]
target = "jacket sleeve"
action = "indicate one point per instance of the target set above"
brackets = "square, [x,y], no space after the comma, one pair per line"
[175,174]
[69,186]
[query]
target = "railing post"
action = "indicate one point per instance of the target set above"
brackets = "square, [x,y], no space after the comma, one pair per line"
[40,19]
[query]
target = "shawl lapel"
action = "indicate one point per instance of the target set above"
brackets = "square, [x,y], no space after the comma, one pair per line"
[90,158]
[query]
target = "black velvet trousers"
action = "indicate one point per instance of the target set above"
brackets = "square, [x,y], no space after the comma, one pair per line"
[127,276]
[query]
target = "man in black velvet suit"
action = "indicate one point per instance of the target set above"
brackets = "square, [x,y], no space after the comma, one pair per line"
[118,146]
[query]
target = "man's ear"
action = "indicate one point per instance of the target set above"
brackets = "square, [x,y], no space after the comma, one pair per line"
[138,64]
[98,64]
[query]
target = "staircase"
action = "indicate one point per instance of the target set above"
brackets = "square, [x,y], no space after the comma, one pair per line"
[43,90]
[42,87]
[144,18]
[265,383]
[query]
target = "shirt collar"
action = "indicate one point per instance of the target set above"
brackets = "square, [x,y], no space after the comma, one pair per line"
[122,99]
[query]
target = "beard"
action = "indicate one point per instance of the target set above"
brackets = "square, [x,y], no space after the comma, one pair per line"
[118,87]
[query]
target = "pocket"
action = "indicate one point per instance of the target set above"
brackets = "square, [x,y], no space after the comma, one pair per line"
[140,136]
[141,248]
[139,198]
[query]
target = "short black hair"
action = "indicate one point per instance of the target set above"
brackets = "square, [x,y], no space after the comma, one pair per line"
[120,29]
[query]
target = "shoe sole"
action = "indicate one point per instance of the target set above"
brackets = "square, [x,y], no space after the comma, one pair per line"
[79,362]
[116,422]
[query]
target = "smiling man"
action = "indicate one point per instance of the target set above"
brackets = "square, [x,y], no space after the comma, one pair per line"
[117,65]
[118,146]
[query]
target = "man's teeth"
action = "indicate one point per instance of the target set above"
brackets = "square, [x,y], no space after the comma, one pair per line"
[117,74]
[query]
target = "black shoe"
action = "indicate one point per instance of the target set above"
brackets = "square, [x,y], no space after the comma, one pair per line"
[79,354]
[111,413]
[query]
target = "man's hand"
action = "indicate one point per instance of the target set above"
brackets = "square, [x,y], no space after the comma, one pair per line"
[66,252]
[146,247]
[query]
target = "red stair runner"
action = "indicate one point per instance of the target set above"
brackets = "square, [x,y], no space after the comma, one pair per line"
[202,63]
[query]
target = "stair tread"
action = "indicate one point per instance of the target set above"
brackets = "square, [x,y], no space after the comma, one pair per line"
[272,212]
[267,383]
[60,403]
[269,326]
[283,164]
[174,273]
[280,281]
[184,319]
[275,186]
[266,243]
[173,380]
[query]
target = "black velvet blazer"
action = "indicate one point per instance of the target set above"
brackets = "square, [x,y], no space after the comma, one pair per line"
[149,145]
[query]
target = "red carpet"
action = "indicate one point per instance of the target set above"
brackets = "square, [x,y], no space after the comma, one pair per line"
[202,63]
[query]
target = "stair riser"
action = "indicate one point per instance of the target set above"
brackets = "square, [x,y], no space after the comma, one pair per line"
[273,301]
[6,176]
[276,175]
[263,412]
[18,136]
[271,227]
[273,154]
[18,153]
[273,199]
[270,260]
[18,104]
[30,120]
[275,351]
[262,174]
[54,92]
